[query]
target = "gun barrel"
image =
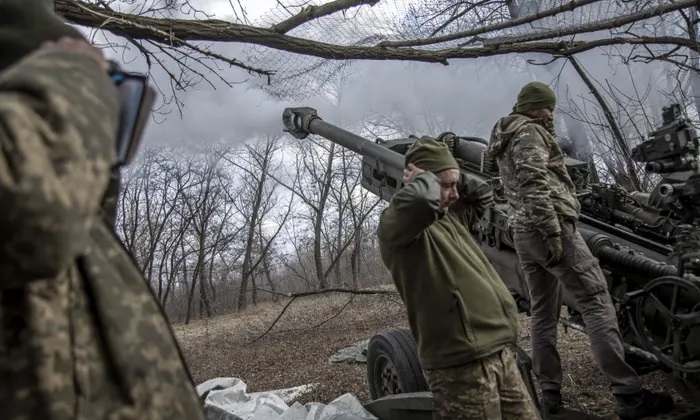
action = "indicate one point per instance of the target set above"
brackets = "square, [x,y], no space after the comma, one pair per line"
[300,122]
[603,248]
[666,190]
[642,197]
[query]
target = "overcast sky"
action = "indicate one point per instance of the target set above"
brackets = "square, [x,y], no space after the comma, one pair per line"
[469,95]
[242,112]
[210,113]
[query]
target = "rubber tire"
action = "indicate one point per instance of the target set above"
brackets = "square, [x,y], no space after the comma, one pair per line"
[399,346]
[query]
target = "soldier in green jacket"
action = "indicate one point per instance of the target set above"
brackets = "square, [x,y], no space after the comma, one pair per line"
[81,334]
[461,314]
[543,210]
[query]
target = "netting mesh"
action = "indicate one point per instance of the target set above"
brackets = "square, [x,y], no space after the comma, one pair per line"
[299,76]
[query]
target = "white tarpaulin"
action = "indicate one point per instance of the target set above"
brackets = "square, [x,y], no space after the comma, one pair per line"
[227,399]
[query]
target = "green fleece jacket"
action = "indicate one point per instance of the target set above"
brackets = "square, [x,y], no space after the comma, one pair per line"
[458,308]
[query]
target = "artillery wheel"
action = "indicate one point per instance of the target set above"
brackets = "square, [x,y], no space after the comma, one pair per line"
[667,321]
[392,364]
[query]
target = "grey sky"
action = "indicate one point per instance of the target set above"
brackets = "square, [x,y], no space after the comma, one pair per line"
[467,96]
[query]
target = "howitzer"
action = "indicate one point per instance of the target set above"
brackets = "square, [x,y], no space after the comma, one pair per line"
[672,208]
[647,245]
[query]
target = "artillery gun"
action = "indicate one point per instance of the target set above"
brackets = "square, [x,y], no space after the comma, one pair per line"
[648,245]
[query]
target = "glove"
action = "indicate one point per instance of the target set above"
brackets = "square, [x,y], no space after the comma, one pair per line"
[555,249]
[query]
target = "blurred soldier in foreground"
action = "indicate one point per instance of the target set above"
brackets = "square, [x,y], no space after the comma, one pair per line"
[461,314]
[81,335]
[543,210]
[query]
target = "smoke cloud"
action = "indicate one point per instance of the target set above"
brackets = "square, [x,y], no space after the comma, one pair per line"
[466,97]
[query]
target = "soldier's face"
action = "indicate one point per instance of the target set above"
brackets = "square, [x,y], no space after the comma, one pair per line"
[449,181]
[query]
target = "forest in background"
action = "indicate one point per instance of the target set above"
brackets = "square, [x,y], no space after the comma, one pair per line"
[230,220]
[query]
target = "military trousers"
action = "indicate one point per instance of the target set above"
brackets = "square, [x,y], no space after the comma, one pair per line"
[579,272]
[490,388]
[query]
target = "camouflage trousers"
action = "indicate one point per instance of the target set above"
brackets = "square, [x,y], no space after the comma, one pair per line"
[490,388]
[582,277]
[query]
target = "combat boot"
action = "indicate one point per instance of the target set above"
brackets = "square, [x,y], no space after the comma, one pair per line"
[643,404]
[551,402]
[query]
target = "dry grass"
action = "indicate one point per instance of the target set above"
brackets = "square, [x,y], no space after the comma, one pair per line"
[297,349]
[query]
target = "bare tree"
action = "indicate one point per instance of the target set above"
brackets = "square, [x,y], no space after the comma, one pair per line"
[255,201]
[361,205]
[216,225]
[212,228]
[314,163]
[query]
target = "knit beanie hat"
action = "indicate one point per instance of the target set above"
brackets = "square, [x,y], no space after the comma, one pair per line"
[25,25]
[535,95]
[430,155]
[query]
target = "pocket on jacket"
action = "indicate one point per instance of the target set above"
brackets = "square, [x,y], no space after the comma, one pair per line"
[590,276]
[461,309]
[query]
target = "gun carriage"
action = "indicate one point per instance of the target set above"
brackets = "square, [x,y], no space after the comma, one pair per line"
[648,245]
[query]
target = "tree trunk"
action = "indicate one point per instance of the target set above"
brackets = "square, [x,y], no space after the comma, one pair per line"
[318,223]
[355,257]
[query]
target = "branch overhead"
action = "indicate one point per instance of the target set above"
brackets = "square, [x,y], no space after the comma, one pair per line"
[612,23]
[174,31]
[570,6]
[314,12]
[134,27]
[292,42]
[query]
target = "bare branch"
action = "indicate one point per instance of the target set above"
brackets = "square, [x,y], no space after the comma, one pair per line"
[456,15]
[174,31]
[314,12]
[294,296]
[124,24]
[596,26]
[567,7]
[612,123]
[337,314]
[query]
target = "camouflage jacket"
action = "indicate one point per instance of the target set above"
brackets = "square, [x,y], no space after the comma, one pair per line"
[538,188]
[81,334]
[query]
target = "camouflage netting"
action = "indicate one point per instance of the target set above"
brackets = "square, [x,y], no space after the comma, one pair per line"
[299,76]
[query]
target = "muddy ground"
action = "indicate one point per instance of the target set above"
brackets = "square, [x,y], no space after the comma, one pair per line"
[296,350]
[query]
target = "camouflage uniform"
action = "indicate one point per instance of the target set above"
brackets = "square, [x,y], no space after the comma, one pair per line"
[542,202]
[459,310]
[81,334]
[490,388]
[110,200]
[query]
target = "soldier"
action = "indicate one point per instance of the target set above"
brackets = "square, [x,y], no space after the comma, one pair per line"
[460,312]
[543,210]
[81,334]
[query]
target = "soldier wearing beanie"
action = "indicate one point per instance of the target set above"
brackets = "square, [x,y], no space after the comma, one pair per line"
[81,334]
[461,314]
[543,211]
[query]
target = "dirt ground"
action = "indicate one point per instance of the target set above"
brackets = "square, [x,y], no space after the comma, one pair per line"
[297,349]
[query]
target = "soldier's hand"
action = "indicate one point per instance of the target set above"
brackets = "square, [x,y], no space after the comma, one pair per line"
[555,250]
[410,173]
[77,45]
